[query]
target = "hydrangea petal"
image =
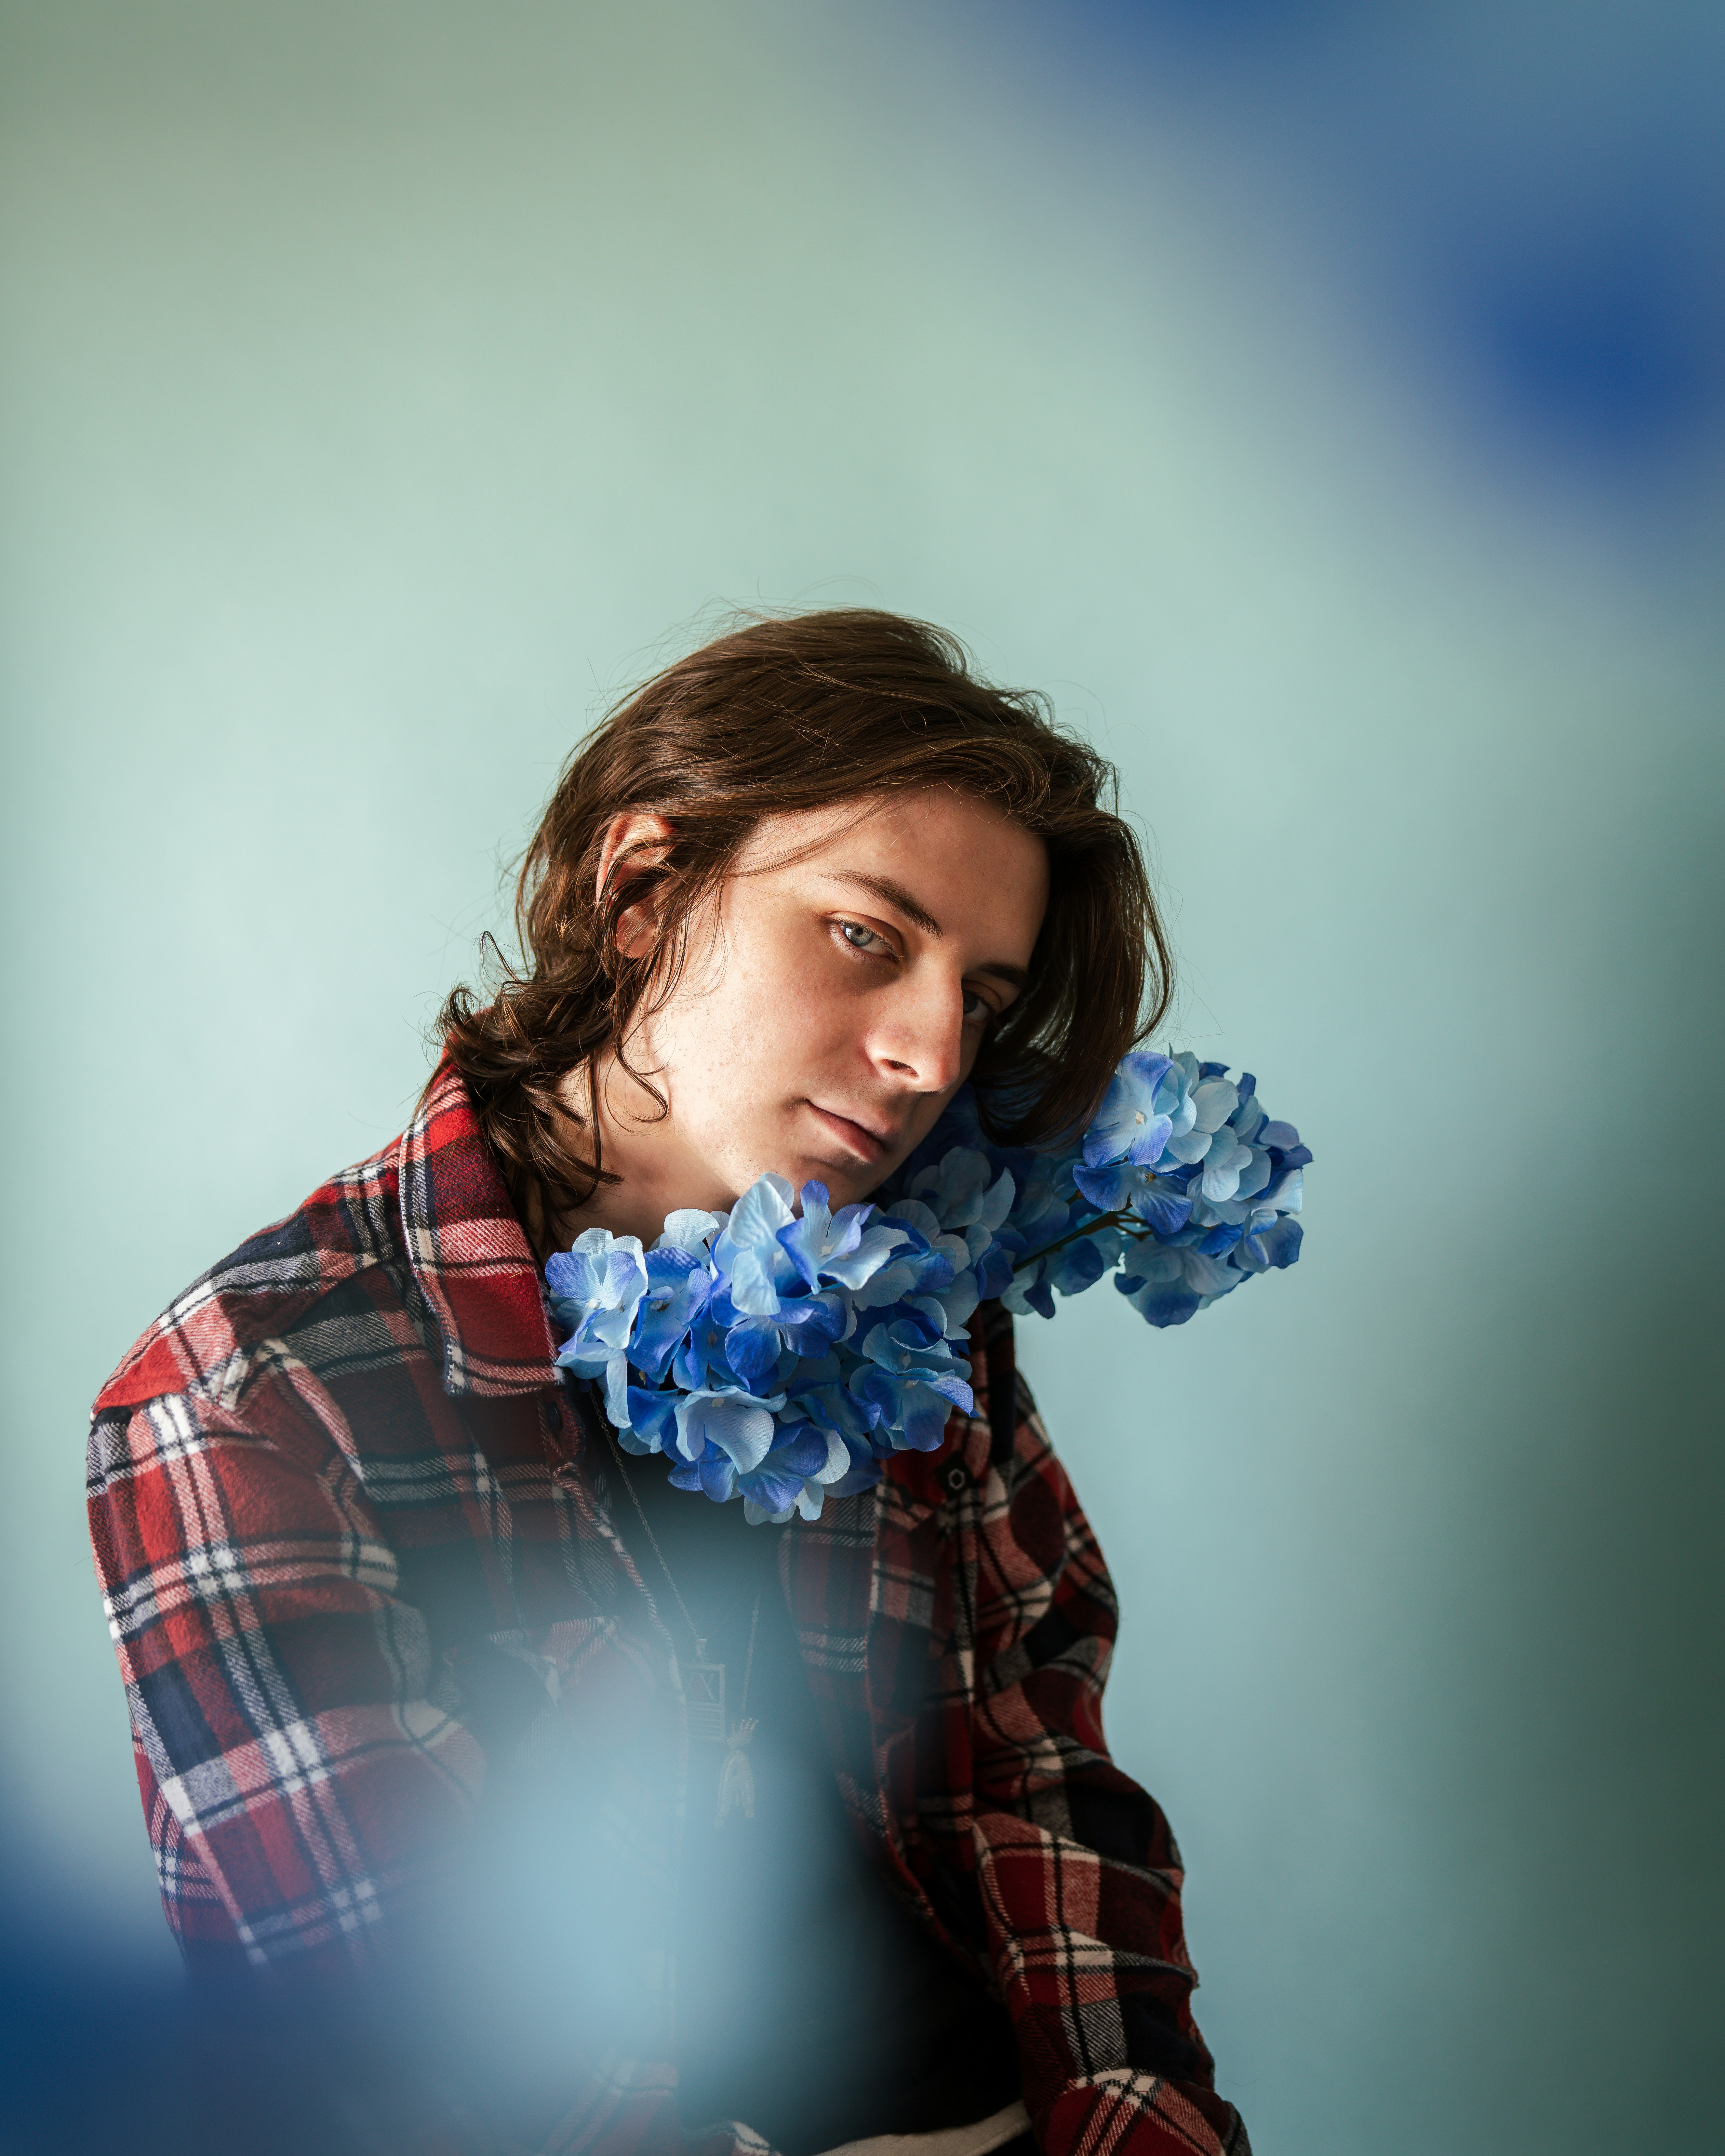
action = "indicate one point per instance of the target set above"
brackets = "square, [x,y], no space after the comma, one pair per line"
[689,1228]
[736,1424]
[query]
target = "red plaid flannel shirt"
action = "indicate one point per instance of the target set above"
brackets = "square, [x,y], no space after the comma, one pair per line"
[341,1469]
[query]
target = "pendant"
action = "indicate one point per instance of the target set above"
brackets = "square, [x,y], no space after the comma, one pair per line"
[704,1696]
[736,1778]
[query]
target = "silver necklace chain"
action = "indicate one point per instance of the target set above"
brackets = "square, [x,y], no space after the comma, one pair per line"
[695,1632]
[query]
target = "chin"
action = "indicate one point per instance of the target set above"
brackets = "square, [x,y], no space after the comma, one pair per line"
[847,1181]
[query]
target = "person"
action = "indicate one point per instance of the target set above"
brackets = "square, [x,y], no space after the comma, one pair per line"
[653,1828]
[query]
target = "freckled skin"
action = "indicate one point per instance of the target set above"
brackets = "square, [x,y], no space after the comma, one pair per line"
[819,1028]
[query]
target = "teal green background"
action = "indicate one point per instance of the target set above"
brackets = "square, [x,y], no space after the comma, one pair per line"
[1326,411]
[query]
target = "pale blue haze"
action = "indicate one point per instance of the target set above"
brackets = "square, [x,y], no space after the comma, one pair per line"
[1326,406]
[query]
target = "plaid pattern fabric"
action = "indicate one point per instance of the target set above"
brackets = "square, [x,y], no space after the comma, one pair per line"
[354,1546]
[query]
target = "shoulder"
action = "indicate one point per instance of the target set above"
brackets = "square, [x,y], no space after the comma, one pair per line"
[204,1342]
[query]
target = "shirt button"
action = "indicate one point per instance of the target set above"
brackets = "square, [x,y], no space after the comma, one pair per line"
[956,1478]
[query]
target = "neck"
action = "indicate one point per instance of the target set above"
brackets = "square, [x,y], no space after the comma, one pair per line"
[643,1150]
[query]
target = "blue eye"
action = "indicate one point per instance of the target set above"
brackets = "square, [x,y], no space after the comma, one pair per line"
[978,1010]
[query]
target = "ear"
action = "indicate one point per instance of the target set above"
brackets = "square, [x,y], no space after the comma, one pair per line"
[635,840]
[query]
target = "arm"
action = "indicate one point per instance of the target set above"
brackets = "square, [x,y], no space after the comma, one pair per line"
[313,1791]
[300,1776]
[1078,1873]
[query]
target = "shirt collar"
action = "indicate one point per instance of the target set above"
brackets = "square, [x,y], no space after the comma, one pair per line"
[468,1252]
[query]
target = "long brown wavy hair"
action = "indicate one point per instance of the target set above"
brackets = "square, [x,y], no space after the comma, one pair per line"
[798,712]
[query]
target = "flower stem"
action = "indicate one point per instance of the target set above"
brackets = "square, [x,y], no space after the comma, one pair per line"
[1115,1219]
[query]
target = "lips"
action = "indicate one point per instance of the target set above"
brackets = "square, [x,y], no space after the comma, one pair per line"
[864,1139]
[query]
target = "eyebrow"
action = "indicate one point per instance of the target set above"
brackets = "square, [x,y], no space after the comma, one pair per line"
[918,914]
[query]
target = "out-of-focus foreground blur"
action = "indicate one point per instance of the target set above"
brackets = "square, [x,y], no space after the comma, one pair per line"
[1326,405]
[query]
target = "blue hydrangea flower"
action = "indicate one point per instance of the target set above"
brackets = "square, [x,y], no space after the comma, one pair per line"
[1274,1243]
[761,1292]
[837,1249]
[689,1229]
[759,1270]
[596,1289]
[830,1404]
[734,1424]
[678,1288]
[756,1345]
[916,1404]
[699,1358]
[965,1189]
[1168,1283]
[787,1353]
[843,1421]
[651,1424]
[795,1476]
[1135,1122]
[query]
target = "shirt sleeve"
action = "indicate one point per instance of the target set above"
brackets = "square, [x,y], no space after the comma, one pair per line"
[301,1780]
[1078,1873]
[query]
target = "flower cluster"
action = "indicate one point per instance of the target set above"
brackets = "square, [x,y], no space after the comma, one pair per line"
[782,1356]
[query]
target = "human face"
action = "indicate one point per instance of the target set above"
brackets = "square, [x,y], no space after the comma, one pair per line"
[837,990]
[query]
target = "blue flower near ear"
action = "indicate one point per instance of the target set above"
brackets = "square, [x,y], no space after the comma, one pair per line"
[965,1189]
[1134,1122]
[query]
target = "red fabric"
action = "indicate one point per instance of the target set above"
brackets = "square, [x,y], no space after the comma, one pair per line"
[339,1479]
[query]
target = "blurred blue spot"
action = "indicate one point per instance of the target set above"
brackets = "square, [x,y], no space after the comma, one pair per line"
[92,2058]
[1206,22]
[1613,356]
[1534,208]
[1199,29]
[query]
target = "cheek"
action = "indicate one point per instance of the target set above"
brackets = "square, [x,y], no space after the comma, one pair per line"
[769,1009]
[763,1027]
[783,985]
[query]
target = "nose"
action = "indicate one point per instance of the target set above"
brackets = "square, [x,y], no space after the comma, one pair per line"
[918,1038]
